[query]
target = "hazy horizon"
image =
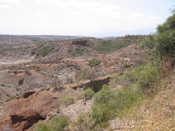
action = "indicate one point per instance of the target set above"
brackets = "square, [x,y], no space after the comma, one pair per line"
[100,18]
[79,36]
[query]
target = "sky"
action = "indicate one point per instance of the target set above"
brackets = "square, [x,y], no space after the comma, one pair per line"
[99,18]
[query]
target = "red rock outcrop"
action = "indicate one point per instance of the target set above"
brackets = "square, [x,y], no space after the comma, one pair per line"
[22,113]
[21,121]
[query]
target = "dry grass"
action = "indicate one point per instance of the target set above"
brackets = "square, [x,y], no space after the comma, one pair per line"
[156,113]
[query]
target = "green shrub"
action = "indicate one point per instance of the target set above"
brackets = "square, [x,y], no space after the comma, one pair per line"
[42,127]
[166,44]
[127,97]
[148,43]
[88,94]
[67,100]
[163,42]
[84,122]
[169,25]
[112,45]
[109,103]
[94,62]
[101,114]
[148,76]
[103,108]
[44,51]
[144,76]
[130,77]
[103,96]
[57,123]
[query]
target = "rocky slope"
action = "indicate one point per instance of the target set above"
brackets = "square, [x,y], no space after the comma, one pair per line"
[35,78]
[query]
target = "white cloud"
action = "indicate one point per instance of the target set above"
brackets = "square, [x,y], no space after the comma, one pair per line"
[2,5]
[9,2]
[78,17]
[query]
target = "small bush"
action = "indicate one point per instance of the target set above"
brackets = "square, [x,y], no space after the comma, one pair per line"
[149,42]
[127,97]
[127,65]
[84,122]
[109,103]
[44,51]
[58,123]
[94,62]
[144,76]
[67,100]
[103,108]
[148,76]
[42,127]
[88,94]
[103,96]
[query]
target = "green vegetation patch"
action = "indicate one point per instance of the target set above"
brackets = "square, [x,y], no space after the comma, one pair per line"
[144,76]
[88,93]
[57,123]
[112,45]
[45,50]
[94,62]
[110,103]
[163,42]
[67,100]
[166,44]
[79,51]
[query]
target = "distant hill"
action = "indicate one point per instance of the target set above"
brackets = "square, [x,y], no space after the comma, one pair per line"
[27,39]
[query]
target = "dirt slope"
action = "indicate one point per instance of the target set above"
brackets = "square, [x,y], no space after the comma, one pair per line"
[158,113]
[154,114]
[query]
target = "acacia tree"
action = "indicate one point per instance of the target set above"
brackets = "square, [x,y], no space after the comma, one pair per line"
[162,44]
[165,40]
